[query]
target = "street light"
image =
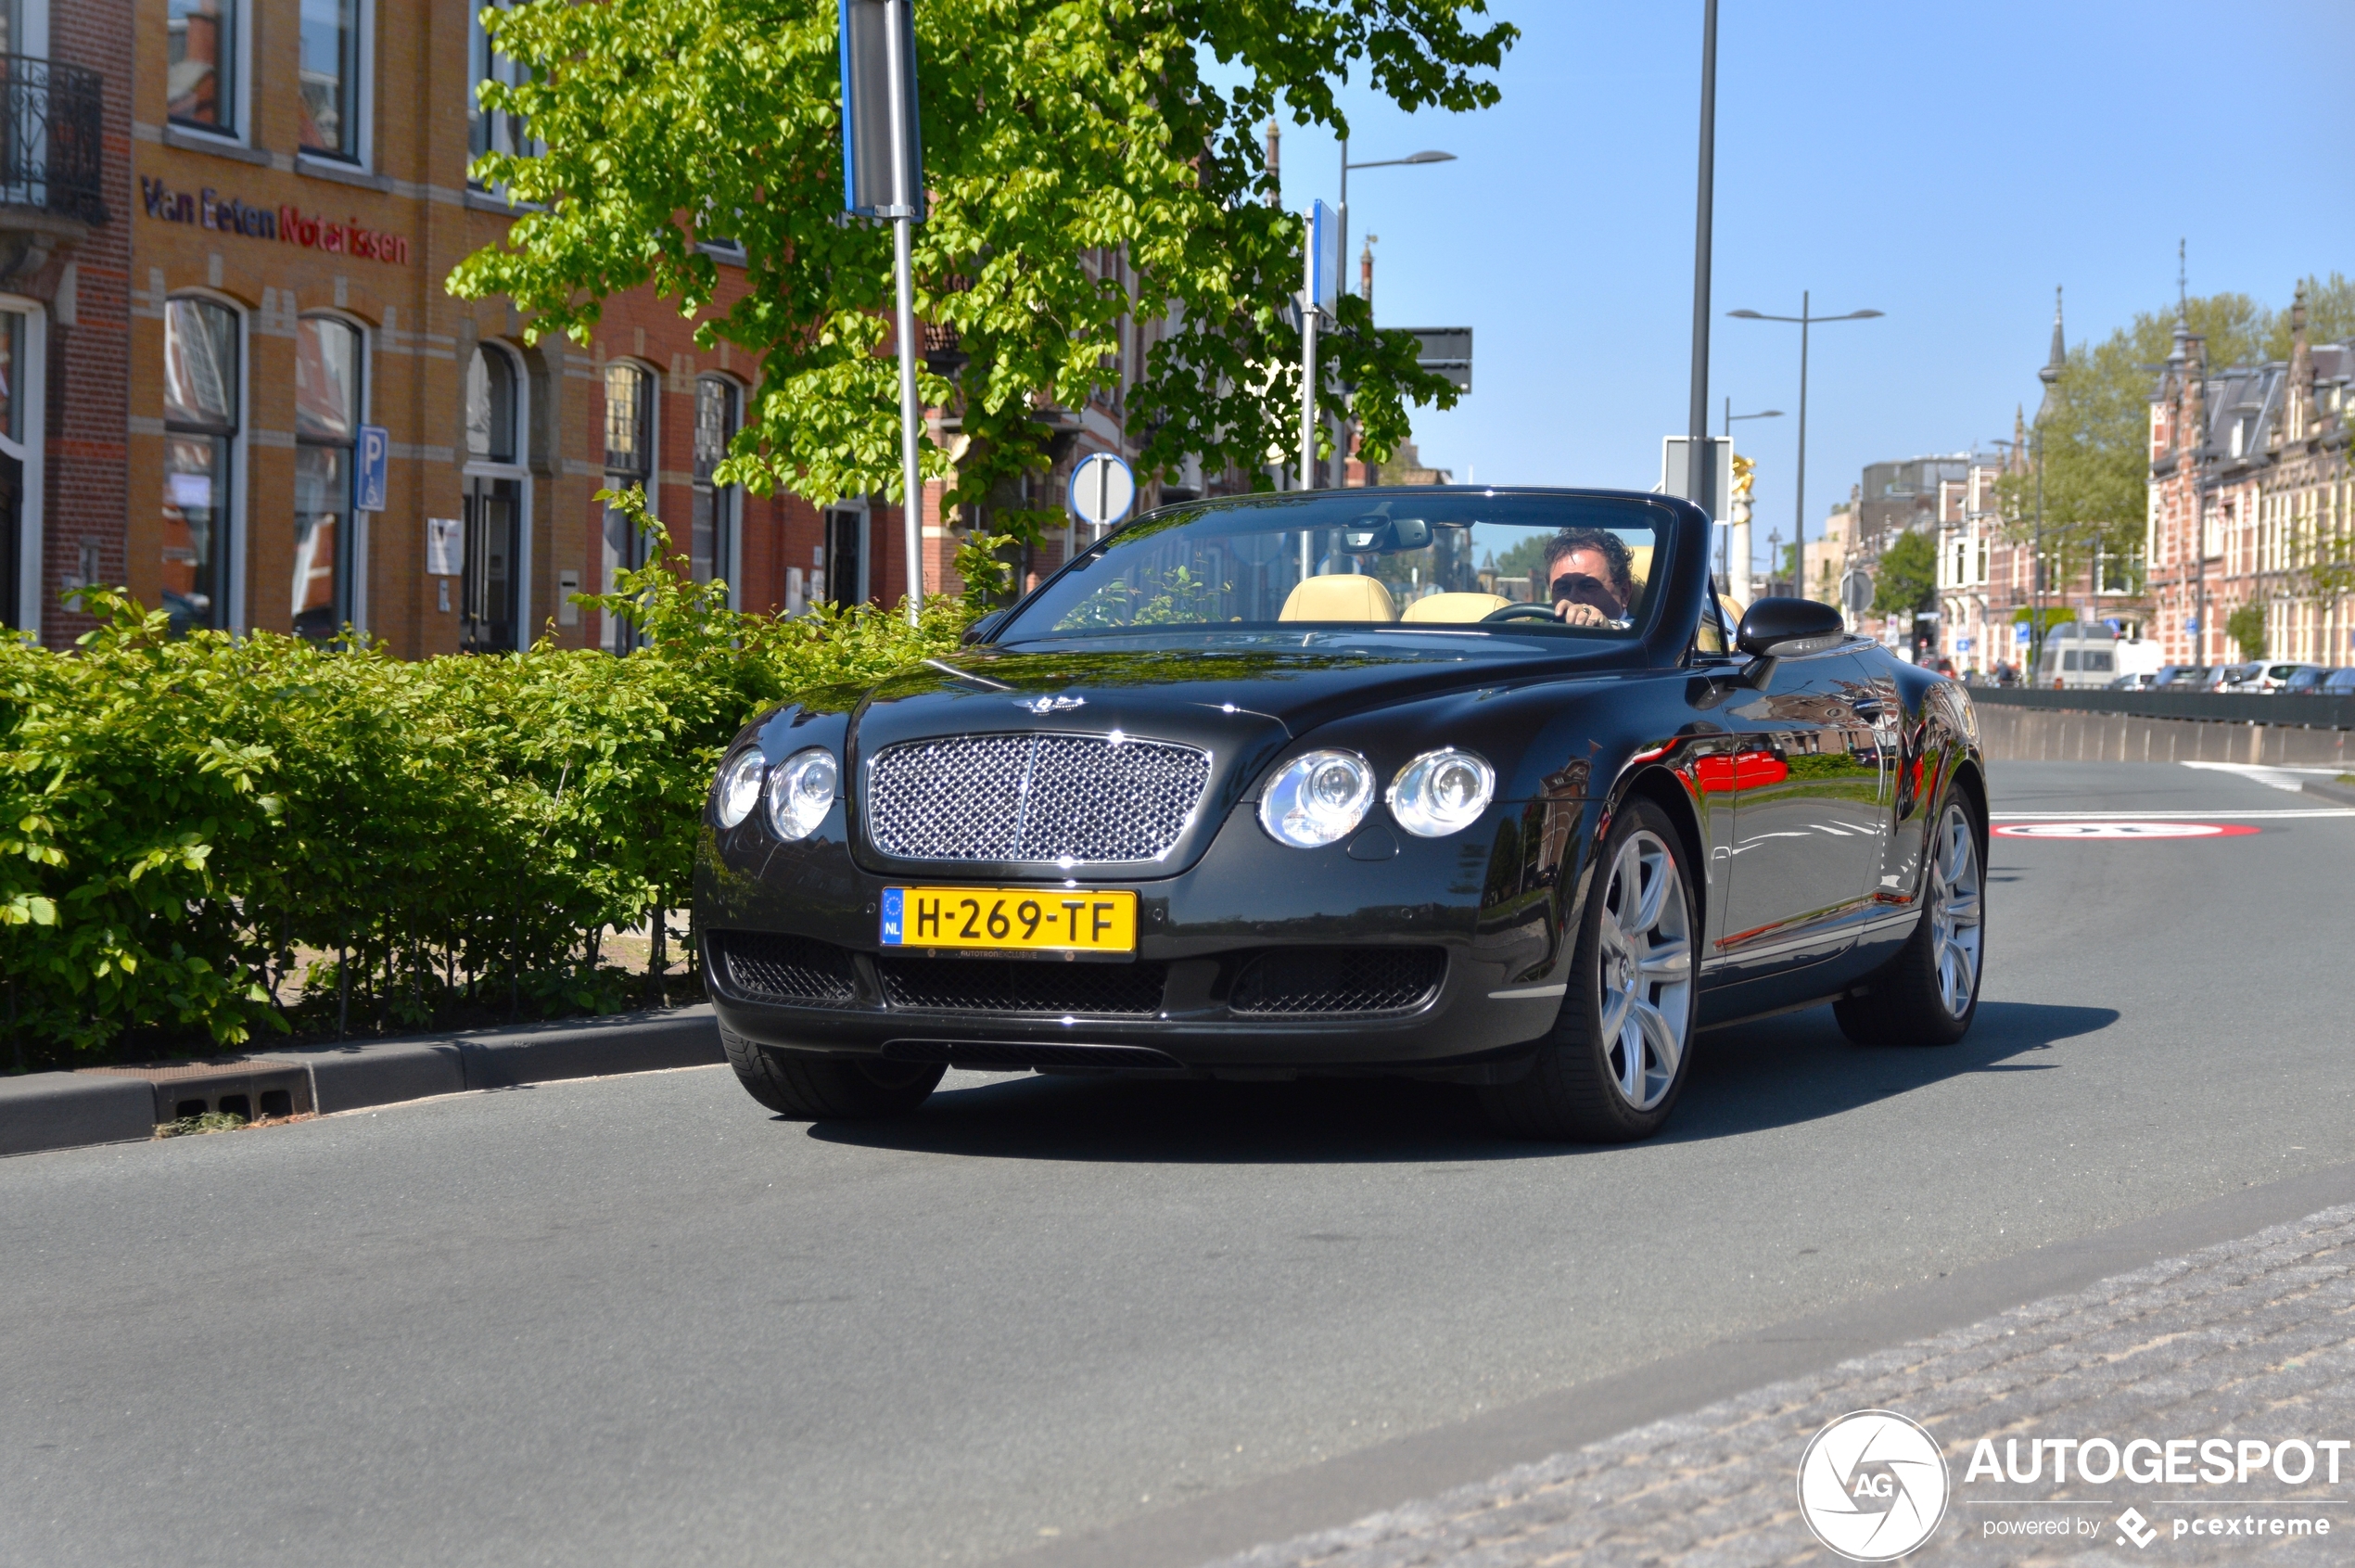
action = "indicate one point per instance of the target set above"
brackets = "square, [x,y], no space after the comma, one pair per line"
[1804,321]
[1308,474]
[1726,541]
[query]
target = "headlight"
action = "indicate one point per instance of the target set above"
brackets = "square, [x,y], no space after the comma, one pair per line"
[1440,792]
[1318,798]
[801,790]
[739,785]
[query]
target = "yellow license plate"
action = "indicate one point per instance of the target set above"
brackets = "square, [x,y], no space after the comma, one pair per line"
[1010,919]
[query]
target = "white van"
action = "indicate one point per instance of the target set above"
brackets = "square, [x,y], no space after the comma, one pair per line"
[2078,656]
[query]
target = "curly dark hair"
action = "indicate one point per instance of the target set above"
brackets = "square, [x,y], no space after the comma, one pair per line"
[1613,550]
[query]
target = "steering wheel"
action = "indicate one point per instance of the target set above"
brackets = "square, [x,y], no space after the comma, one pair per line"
[1520,612]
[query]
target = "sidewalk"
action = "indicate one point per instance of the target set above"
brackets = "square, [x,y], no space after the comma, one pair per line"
[2249,1339]
[45,1111]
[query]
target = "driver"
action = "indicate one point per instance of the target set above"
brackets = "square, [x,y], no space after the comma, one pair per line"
[1593,576]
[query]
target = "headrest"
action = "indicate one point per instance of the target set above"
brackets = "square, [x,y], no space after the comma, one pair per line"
[1345,596]
[1455,606]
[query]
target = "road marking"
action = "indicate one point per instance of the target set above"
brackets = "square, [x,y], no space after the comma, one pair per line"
[2272,776]
[2166,816]
[2143,828]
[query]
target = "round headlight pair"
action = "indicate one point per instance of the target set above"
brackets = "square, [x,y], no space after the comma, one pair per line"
[800,790]
[1320,797]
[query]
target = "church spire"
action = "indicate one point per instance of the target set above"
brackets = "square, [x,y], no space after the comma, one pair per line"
[2051,374]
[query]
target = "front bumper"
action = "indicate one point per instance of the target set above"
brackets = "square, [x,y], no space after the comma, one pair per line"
[1207,988]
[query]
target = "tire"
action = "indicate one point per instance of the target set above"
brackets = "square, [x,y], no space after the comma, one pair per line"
[1581,1088]
[810,1087]
[1928,993]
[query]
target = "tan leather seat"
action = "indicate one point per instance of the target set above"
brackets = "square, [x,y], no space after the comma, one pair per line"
[1345,596]
[1454,608]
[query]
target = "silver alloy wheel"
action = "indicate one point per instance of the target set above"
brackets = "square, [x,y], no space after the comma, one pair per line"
[1953,912]
[1647,970]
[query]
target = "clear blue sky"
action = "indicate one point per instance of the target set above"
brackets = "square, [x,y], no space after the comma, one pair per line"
[1946,164]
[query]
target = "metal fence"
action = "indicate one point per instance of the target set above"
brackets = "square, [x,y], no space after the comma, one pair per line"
[50,154]
[2215,708]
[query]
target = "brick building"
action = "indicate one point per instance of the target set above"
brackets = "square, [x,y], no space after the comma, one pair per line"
[65,198]
[2249,492]
[225,286]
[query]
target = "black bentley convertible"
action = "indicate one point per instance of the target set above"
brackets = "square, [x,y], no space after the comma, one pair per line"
[1470,785]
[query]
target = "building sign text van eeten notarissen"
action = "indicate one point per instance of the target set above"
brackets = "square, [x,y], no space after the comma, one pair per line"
[208,210]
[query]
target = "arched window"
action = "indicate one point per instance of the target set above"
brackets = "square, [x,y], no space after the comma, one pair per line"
[200,417]
[327,371]
[493,607]
[712,549]
[630,461]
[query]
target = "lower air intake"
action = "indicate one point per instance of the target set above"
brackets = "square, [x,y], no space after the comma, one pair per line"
[1301,982]
[770,967]
[985,984]
[1004,1055]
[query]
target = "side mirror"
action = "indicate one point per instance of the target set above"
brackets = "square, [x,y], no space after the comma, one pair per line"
[1788,628]
[987,627]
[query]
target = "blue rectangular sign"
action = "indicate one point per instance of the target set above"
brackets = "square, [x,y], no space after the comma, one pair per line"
[893,919]
[368,484]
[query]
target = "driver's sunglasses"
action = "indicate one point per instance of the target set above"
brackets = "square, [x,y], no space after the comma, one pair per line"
[1570,584]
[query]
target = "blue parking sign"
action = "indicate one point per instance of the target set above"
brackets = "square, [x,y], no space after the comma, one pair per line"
[368,488]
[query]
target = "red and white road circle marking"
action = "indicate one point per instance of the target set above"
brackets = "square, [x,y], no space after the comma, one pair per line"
[2122,830]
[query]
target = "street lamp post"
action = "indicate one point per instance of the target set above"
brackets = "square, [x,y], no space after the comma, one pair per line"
[1725,540]
[1307,480]
[1803,320]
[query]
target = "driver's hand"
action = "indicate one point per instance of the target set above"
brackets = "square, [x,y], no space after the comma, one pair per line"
[1571,613]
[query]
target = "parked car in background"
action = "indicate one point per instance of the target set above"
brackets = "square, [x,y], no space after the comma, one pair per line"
[2135,682]
[2306,680]
[2139,656]
[2234,678]
[2078,656]
[2339,684]
[2274,677]
[2182,677]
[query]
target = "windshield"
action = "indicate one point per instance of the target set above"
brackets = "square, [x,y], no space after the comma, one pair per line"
[1433,562]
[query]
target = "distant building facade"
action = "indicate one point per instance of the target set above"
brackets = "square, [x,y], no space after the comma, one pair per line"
[2249,493]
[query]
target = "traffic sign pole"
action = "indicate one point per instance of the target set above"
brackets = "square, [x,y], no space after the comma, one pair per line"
[911,411]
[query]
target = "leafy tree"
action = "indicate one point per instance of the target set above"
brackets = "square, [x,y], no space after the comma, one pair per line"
[1058,134]
[2246,626]
[1907,582]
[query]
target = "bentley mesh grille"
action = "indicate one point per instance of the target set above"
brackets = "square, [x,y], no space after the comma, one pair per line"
[775,968]
[989,985]
[1086,799]
[1298,981]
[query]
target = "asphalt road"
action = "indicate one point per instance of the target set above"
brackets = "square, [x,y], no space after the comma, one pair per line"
[635,1320]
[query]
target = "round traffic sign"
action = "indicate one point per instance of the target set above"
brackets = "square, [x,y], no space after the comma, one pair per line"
[2141,830]
[1103,490]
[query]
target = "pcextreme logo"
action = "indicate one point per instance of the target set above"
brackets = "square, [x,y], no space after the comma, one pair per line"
[1872,1486]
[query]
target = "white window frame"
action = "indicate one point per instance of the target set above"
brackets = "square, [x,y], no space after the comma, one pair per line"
[732,568]
[31,389]
[866,547]
[363,95]
[519,471]
[651,477]
[241,500]
[358,605]
[241,98]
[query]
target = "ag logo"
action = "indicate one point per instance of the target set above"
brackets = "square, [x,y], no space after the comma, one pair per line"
[1872,1486]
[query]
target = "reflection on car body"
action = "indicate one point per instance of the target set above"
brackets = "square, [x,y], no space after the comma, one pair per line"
[1378,806]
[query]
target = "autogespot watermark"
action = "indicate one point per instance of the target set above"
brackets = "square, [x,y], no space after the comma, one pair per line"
[1874,1486]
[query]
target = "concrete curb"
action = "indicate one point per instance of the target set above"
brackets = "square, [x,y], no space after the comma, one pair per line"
[45,1110]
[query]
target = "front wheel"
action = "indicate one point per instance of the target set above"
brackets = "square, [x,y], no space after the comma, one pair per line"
[1928,993]
[810,1087]
[1612,1068]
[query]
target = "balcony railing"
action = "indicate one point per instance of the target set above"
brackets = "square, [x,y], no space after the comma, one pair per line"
[51,151]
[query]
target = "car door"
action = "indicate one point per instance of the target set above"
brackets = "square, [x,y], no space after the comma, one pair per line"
[1810,785]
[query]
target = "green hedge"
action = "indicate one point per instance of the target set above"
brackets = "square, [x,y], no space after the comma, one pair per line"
[178,816]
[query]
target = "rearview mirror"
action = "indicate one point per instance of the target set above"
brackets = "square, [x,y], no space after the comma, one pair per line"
[1788,628]
[1382,535]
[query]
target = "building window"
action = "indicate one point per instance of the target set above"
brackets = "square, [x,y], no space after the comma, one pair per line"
[15,534]
[492,588]
[200,409]
[327,371]
[491,130]
[331,96]
[200,63]
[841,578]
[713,544]
[629,449]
